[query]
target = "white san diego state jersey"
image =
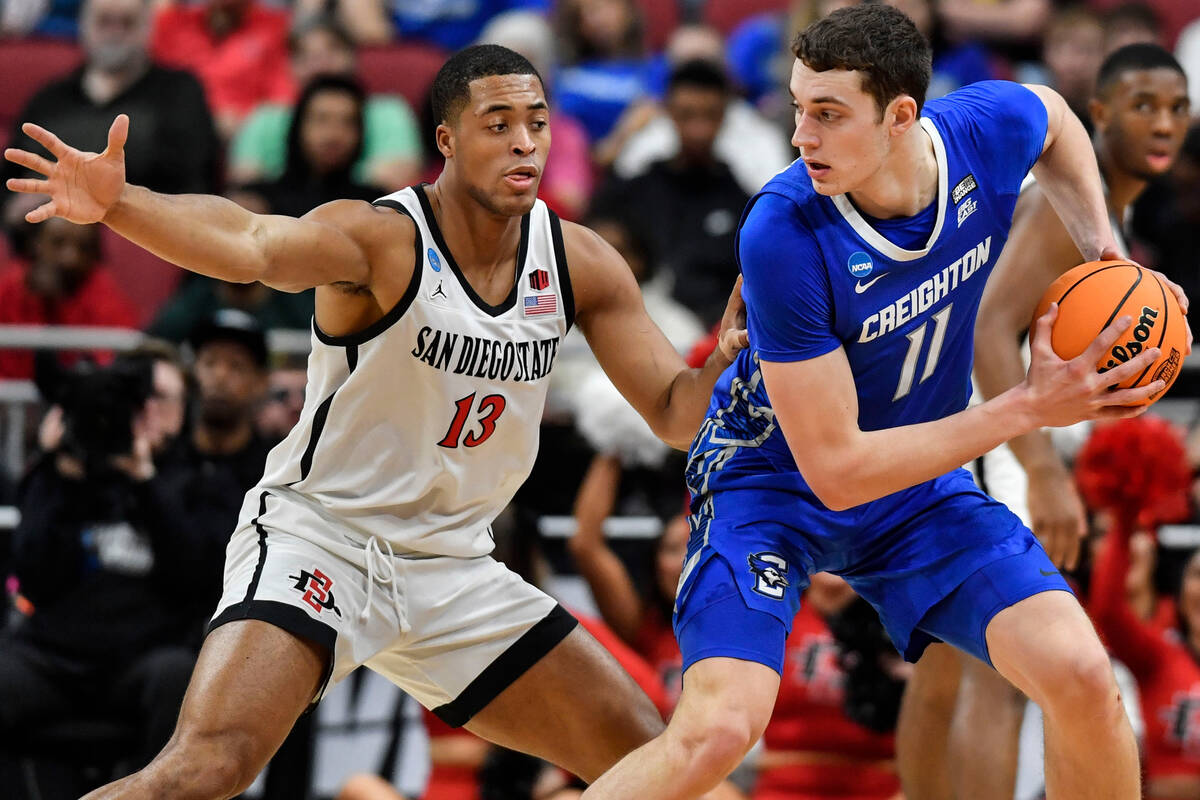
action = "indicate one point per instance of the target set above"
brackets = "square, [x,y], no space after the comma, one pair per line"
[420,428]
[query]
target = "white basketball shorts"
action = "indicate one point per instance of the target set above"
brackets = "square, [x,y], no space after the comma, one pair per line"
[451,632]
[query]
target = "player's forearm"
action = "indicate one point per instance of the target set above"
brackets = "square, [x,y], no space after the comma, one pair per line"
[998,367]
[201,233]
[1068,175]
[878,463]
[687,401]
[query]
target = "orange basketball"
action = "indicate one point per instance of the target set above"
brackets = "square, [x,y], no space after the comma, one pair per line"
[1094,294]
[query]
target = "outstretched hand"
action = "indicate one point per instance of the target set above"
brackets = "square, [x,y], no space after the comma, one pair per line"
[82,186]
[733,335]
[1065,392]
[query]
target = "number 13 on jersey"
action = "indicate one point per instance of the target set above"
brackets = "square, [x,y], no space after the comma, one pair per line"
[490,408]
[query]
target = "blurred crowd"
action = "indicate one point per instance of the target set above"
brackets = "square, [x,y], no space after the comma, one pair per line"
[667,116]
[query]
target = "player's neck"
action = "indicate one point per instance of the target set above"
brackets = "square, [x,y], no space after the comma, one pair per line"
[905,183]
[482,241]
[1123,187]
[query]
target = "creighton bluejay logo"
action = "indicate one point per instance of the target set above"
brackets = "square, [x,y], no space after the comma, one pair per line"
[770,570]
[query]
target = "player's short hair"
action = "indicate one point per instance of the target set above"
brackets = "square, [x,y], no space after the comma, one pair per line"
[877,40]
[700,74]
[1134,58]
[451,89]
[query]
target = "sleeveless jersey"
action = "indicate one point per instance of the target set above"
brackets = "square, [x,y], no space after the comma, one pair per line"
[420,428]
[818,275]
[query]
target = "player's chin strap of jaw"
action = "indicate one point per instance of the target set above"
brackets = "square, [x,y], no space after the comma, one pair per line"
[381,568]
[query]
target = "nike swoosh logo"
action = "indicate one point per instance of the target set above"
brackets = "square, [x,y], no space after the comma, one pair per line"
[1052,572]
[861,287]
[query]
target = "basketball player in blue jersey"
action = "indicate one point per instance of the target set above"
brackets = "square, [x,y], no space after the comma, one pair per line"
[835,442]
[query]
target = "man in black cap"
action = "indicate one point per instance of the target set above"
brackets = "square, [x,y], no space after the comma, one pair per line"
[220,456]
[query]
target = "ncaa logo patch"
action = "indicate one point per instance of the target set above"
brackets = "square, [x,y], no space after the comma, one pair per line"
[860,265]
[434,261]
[770,573]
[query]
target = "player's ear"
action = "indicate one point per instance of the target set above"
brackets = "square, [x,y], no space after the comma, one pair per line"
[901,114]
[444,137]
[1098,111]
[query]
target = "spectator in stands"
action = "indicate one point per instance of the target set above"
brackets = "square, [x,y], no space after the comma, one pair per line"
[172,147]
[1170,220]
[106,562]
[57,18]
[391,154]
[567,182]
[636,607]
[1013,27]
[1132,23]
[237,47]
[604,62]
[448,24]
[221,456]
[686,208]
[752,146]
[1137,471]
[955,63]
[812,748]
[280,410]
[1072,52]
[57,279]
[324,143]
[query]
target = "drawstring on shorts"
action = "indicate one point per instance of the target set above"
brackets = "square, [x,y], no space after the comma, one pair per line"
[381,568]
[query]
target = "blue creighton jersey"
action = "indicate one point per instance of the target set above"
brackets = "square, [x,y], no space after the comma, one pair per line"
[899,295]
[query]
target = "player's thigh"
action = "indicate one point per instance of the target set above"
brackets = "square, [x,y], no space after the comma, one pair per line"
[576,707]
[251,681]
[1047,647]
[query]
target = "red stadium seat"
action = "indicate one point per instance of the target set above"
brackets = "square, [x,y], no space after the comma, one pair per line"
[30,65]
[661,17]
[403,69]
[145,278]
[724,15]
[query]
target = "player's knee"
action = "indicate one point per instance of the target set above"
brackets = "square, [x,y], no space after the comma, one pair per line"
[1082,682]
[720,745]
[208,767]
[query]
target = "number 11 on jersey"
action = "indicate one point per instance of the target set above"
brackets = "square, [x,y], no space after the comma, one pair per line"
[490,408]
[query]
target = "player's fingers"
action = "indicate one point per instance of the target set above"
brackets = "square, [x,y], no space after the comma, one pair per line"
[30,160]
[42,213]
[1176,290]
[1110,254]
[28,185]
[57,147]
[1106,339]
[1130,369]
[1138,394]
[1119,412]
[117,134]
[1042,329]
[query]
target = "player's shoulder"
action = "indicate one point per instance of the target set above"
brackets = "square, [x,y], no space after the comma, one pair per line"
[367,223]
[982,105]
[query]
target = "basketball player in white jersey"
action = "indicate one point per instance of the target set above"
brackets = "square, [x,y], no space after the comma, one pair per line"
[959,737]
[439,310]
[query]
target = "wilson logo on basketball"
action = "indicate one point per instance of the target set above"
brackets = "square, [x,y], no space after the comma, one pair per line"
[1141,332]
[539,279]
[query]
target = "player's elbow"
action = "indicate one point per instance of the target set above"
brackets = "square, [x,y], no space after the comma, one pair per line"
[834,490]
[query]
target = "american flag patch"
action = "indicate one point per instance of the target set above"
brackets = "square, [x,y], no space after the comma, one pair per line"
[542,304]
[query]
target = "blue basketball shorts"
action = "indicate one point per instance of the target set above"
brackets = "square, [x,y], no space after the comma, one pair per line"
[940,576]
